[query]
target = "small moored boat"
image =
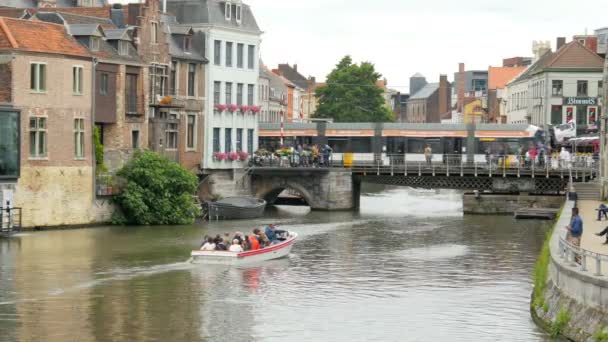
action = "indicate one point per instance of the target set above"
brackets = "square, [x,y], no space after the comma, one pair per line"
[276,251]
[237,208]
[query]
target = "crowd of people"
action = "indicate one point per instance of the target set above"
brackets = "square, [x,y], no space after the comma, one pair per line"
[240,242]
[295,156]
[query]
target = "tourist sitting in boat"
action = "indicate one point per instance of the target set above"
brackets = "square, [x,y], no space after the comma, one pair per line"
[208,245]
[254,242]
[273,234]
[219,244]
[236,246]
[263,239]
[245,243]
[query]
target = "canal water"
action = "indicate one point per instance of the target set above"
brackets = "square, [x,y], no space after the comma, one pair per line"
[408,267]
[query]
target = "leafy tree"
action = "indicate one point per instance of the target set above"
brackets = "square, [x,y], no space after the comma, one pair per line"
[99,161]
[351,94]
[157,191]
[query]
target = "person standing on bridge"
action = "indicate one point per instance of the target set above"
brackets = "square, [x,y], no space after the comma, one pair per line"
[428,155]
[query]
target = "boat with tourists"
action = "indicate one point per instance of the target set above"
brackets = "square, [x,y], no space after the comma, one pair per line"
[237,208]
[279,249]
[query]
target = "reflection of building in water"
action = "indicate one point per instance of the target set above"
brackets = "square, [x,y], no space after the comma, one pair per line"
[50,304]
[8,250]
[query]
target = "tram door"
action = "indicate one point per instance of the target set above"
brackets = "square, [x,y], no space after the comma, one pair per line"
[452,150]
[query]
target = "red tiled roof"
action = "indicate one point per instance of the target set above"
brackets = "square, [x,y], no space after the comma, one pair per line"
[38,36]
[11,12]
[575,55]
[498,77]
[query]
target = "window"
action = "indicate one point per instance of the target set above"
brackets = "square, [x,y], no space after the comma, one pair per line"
[250,56]
[239,55]
[77,80]
[250,141]
[227,13]
[238,13]
[123,47]
[37,137]
[94,43]
[228,93]
[239,139]
[216,140]
[217,51]
[135,139]
[228,54]
[556,115]
[250,94]
[600,88]
[173,84]
[171,135]
[228,140]
[79,138]
[581,88]
[9,144]
[557,88]
[158,80]
[131,94]
[581,115]
[216,92]
[103,84]
[191,79]
[239,94]
[187,43]
[191,131]
[154,33]
[38,77]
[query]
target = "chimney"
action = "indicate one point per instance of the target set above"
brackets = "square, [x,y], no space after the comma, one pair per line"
[117,15]
[539,48]
[444,97]
[460,87]
[561,41]
[295,67]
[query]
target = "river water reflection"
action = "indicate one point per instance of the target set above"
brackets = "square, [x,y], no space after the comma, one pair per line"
[408,267]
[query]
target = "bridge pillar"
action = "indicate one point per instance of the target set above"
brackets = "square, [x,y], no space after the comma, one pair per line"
[356,192]
[332,190]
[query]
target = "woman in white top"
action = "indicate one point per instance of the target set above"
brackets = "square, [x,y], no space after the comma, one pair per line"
[209,245]
[236,246]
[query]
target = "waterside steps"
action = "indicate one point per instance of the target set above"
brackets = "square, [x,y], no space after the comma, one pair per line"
[588,191]
[536,214]
[10,221]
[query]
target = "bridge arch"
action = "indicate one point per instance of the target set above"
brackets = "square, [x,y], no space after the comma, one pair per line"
[271,193]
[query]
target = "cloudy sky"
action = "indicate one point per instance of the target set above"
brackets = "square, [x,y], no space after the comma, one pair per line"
[403,37]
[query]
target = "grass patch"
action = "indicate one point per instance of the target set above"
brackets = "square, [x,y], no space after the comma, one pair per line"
[541,268]
[601,335]
[561,321]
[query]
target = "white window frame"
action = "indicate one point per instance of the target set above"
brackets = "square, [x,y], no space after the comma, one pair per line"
[95,43]
[228,10]
[79,139]
[77,80]
[194,132]
[239,13]
[38,87]
[194,87]
[154,32]
[176,89]
[172,129]
[123,47]
[38,131]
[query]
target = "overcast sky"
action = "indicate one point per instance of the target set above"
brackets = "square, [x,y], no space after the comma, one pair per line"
[402,37]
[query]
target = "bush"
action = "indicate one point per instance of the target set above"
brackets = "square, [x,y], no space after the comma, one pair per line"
[540,274]
[601,335]
[560,323]
[157,191]
[99,161]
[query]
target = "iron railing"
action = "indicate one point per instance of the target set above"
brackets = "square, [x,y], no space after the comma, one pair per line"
[10,220]
[106,185]
[577,257]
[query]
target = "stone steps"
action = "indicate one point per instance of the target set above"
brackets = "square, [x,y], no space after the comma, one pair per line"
[588,191]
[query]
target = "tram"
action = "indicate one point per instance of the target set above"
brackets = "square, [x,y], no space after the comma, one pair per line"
[369,141]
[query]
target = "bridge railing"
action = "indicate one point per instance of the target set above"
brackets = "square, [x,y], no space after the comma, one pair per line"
[452,164]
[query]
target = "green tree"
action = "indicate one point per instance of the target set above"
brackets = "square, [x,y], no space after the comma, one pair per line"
[157,191]
[351,94]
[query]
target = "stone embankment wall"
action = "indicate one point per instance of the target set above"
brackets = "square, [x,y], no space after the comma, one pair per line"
[492,204]
[581,296]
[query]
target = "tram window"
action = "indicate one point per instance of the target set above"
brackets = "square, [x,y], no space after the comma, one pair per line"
[338,145]
[361,145]
[418,145]
[396,145]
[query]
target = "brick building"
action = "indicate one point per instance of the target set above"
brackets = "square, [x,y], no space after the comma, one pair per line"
[46,80]
[430,103]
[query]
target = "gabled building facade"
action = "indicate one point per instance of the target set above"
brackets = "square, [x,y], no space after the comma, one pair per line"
[560,87]
[232,43]
[46,82]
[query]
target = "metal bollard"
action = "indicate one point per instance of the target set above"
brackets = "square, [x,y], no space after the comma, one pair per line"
[598,266]
[584,262]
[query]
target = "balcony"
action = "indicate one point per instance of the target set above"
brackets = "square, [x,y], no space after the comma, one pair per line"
[166,102]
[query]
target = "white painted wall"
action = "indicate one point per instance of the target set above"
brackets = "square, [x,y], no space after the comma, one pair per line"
[223,74]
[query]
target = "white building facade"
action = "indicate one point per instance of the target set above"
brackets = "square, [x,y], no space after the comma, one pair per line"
[232,44]
[560,87]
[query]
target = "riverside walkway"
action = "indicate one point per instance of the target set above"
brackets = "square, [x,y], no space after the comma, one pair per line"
[590,241]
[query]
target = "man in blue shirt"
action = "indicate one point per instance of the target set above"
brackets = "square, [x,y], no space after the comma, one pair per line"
[272,233]
[575,231]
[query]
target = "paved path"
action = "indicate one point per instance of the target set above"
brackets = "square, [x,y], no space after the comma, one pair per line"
[590,241]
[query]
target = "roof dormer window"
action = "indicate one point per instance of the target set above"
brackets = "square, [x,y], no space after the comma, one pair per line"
[227,10]
[238,13]
[123,47]
[94,43]
[187,43]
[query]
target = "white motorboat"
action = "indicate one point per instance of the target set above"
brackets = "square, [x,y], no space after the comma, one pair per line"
[276,251]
